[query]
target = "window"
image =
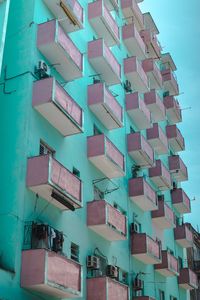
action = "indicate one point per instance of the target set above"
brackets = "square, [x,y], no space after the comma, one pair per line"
[123,276]
[76,172]
[172,298]
[74,252]
[45,149]
[96,130]
[161,295]
[170,251]
[180,263]
[132,130]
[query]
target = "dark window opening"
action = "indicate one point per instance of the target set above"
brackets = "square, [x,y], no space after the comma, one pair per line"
[46,149]
[75,252]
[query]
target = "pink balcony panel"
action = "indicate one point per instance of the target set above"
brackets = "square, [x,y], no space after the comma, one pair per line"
[163,217]
[133,41]
[177,168]
[160,176]
[172,109]
[132,13]
[46,175]
[188,279]
[142,194]
[153,73]
[157,139]
[112,4]
[57,106]
[105,156]
[135,74]
[140,150]
[170,82]
[153,46]
[49,273]
[143,298]
[183,236]
[155,105]
[180,201]
[69,11]
[104,62]
[60,51]
[105,106]
[106,220]
[175,138]
[103,23]
[169,265]
[106,288]
[145,249]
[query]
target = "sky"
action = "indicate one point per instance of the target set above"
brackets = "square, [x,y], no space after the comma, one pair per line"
[179,24]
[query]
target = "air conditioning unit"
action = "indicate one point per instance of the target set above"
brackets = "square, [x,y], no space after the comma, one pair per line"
[43,70]
[138,284]
[93,262]
[112,271]
[134,228]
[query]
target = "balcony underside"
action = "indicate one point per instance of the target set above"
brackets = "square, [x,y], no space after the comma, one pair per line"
[146,259]
[144,203]
[108,232]
[163,223]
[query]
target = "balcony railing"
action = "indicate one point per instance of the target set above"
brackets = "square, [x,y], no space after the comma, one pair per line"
[106,220]
[132,13]
[145,249]
[103,23]
[142,194]
[168,266]
[187,279]
[170,82]
[183,236]
[104,105]
[104,62]
[140,150]
[177,168]
[105,156]
[180,201]
[135,74]
[53,182]
[133,41]
[152,43]
[164,217]
[160,176]
[51,273]
[153,73]
[155,105]
[57,106]
[157,139]
[60,51]
[138,111]
[69,11]
[175,138]
[106,288]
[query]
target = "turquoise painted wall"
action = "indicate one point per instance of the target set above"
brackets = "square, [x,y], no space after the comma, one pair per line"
[21,129]
[4,8]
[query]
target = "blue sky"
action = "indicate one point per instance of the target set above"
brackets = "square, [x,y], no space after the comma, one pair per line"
[179,24]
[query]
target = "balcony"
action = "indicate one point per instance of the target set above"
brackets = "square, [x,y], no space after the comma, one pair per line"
[183,236]
[153,47]
[172,109]
[142,194]
[175,138]
[168,266]
[160,176]
[105,156]
[187,279]
[53,182]
[132,13]
[106,220]
[133,41]
[57,106]
[153,73]
[177,168]
[136,75]
[104,62]
[60,51]
[163,217]
[106,288]
[157,139]
[138,111]
[143,298]
[145,249]
[140,150]
[50,273]
[103,23]
[112,4]
[104,105]
[180,201]
[170,82]
[155,105]
[69,11]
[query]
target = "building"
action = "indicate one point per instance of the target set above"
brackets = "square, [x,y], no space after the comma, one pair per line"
[91,198]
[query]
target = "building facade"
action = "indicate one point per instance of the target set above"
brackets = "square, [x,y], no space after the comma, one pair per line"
[91,199]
